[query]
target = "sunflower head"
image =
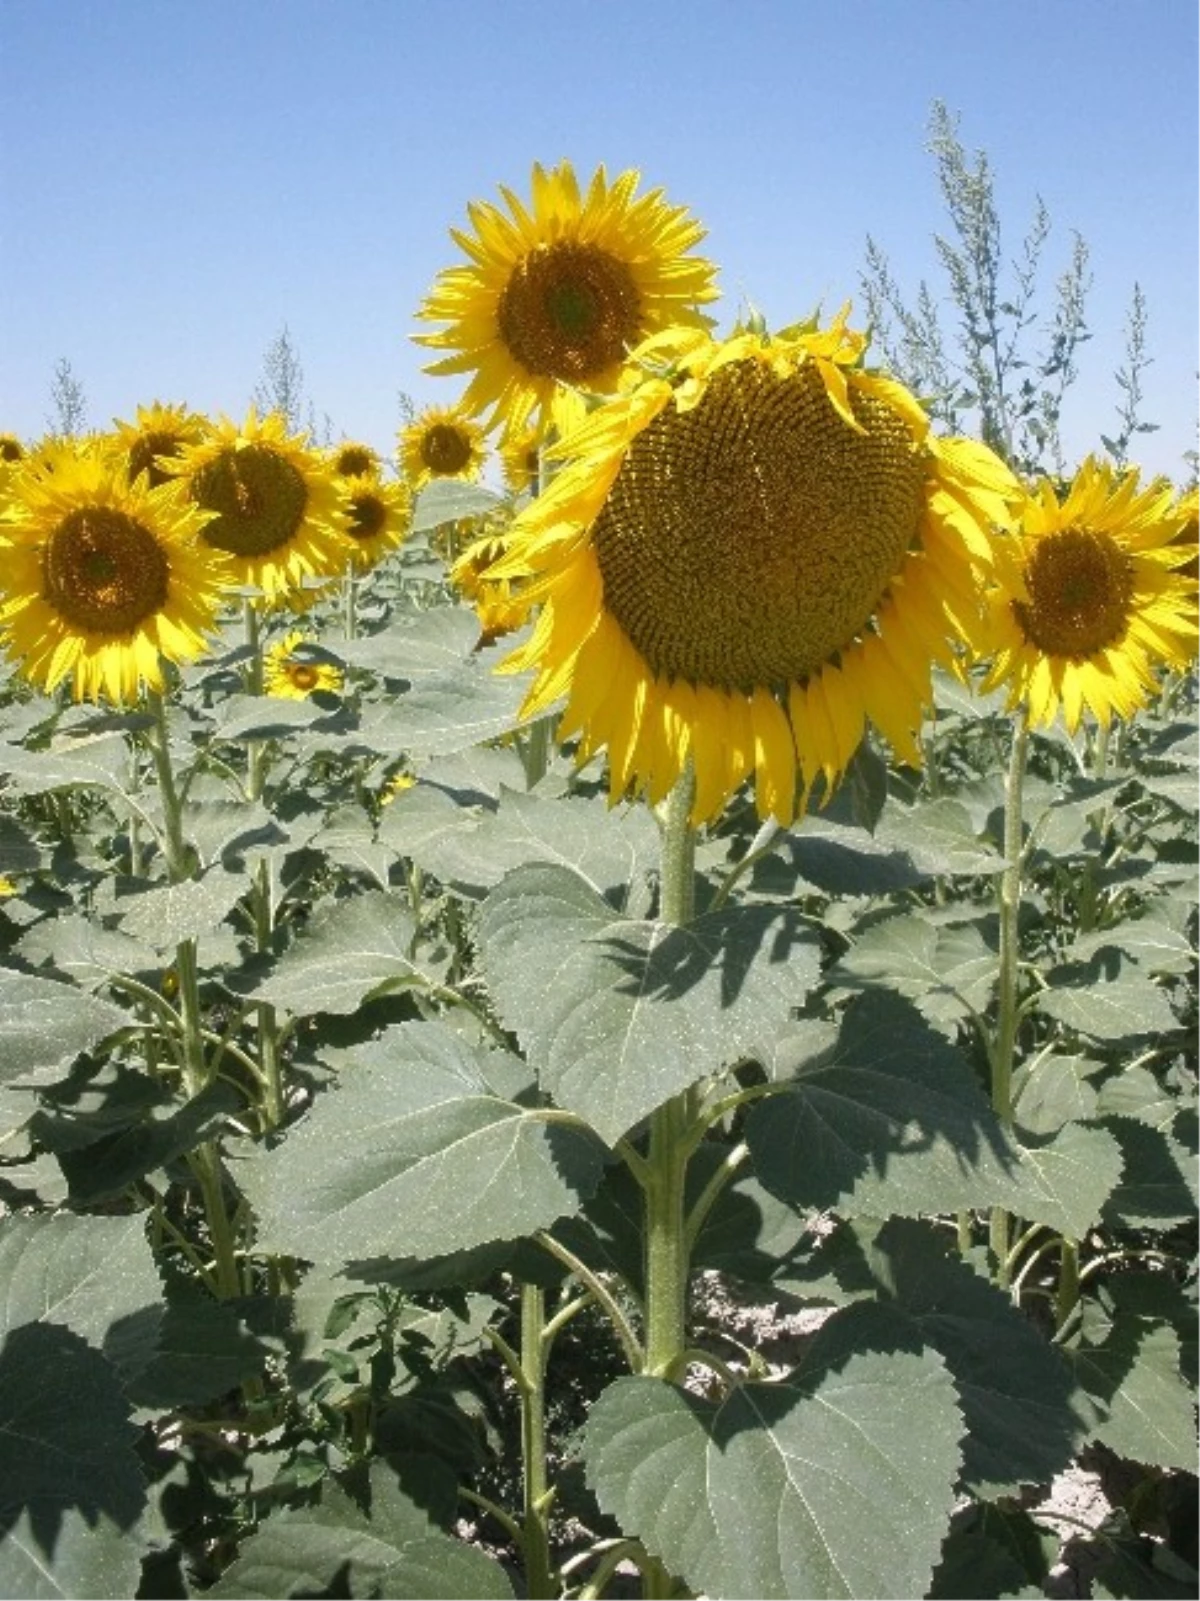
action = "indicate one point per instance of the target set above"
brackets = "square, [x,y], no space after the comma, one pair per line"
[11,448]
[378,517]
[353,460]
[496,602]
[554,295]
[1187,540]
[754,550]
[291,675]
[276,510]
[441,442]
[521,461]
[104,579]
[1088,600]
[159,431]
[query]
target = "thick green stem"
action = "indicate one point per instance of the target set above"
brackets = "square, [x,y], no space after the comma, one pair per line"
[535,1538]
[179,858]
[1007,1010]
[1067,1297]
[256,776]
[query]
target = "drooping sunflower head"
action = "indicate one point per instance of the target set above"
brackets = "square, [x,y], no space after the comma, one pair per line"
[1088,601]
[278,513]
[159,431]
[750,553]
[521,460]
[353,460]
[379,516]
[291,674]
[496,601]
[104,579]
[553,297]
[441,442]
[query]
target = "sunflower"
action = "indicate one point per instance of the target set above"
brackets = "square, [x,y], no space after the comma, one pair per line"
[1188,510]
[752,551]
[280,515]
[521,459]
[497,603]
[294,677]
[553,297]
[395,786]
[104,578]
[1087,605]
[352,460]
[378,518]
[11,448]
[441,442]
[159,431]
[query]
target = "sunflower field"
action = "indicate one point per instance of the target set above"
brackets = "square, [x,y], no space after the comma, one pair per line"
[631,1033]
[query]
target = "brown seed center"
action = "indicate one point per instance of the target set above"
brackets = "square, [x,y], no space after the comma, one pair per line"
[1080,587]
[259,498]
[747,541]
[445,448]
[569,311]
[368,516]
[103,571]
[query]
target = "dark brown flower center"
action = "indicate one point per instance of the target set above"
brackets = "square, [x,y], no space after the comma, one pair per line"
[1080,587]
[352,461]
[569,311]
[103,571]
[10,449]
[303,675]
[259,498]
[747,541]
[368,516]
[446,448]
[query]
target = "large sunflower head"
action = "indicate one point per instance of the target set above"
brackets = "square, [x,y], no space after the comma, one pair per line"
[755,549]
[278,512]
[1087,602]
[554,296]
[441,442]
[159,431]
[291,675]
[378,517]
[103,579]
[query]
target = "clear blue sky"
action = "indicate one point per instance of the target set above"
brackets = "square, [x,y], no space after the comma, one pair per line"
[179,181]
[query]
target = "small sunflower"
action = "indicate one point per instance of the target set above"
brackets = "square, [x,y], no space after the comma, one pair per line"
[555,296]
[7,887]
[441,442]
[395,786]
[279,513]
[521,460]
[497,602]
[1087,605]
[352,460]
[294,677]
[159,431]
[103,579]
[750,553]
[379,516]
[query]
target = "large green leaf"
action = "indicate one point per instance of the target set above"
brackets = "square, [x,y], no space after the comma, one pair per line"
[350,950]
[1158,1188]
[939,837]
[1144,1409]
[74,761]
[82,1557]
[170,913]
[618,1015]
[891,1121]
[1106,1008]
[450,500]
[68,1449]
[837,1481]
[471,848]
[447,712]
[203,1352]
[1016,1389]
[93,1275]
[336,1547]
[45,1025]
[949,971]
[85,951]
[414,1155]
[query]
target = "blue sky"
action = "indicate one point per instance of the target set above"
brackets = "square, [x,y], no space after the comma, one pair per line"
[178,182]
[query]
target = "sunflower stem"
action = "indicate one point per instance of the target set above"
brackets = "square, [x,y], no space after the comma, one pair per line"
[1007,1009]
[535,1540]
[256,774]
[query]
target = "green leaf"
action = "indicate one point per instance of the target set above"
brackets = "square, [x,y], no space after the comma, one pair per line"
[1145,1410]
[1065,1180]
[204,1351]
[46,1025]
[413,1155]
[350,950]
[1015,1388]
[1159,1186]
[93,1275]
[618,1015]
[939,837]
[393,1550]
[1052,1090]
[251,717]
[448,712]
[61,1405]
[949,972]
[471,848]
[82,1557]
[1135,1092]
[1153,944]
[348,838]
[109,1164]
[74,761]
[19,852]
[450,500]
[84,950]
[982,1560]
[431,643]
[1106,1008]
[171,913]
[807,1487]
